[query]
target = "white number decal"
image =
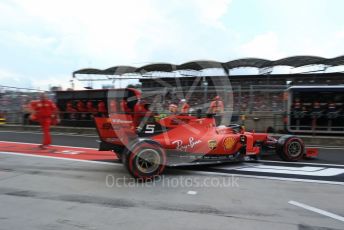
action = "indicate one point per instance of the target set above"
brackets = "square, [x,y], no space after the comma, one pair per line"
[150,129]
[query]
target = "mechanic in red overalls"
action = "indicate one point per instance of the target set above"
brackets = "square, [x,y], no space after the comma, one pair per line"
[91,109]
[173,108]
[184,108]
[113,106]
[102,111]
[216,106]
[70,110]
[80,106]
[45,112]
[316,113]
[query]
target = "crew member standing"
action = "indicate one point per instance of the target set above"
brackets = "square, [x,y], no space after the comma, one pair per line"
[113,106]
[70,111]
[102,111]
[184,107]
[217,108]
[80,106]
[46,113]
[92,111]
[173,108]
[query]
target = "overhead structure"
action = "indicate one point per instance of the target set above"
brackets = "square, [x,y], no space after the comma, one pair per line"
[157,67]
[88,71]
[246,62]
[293,61]
[200,65]
[296,61]
[119,70]
[337,61]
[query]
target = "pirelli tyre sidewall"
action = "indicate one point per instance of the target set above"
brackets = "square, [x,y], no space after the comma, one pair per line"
[290,148]
[145,160]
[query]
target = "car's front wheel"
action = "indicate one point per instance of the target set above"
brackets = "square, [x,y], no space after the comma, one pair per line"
[290,148]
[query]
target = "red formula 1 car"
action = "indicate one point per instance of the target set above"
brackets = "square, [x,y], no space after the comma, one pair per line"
[147,147]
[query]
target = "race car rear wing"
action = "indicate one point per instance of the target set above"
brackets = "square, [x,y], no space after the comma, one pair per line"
[116,129]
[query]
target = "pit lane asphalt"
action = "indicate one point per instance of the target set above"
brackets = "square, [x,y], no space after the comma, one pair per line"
[39,193]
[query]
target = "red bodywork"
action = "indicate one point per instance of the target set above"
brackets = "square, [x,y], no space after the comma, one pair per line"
[185,134]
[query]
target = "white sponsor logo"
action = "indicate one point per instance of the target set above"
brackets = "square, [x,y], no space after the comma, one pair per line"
[184,147]
[119,121]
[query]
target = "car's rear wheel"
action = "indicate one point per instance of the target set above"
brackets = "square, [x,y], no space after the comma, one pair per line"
[146,161]
[290,148]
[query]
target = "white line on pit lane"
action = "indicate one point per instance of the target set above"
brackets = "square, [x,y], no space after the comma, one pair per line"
[317,210]
[300,163]
[270,178]
[301,171]
[326,147]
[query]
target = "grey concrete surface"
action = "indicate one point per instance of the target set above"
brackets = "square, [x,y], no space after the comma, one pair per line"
[39,193]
